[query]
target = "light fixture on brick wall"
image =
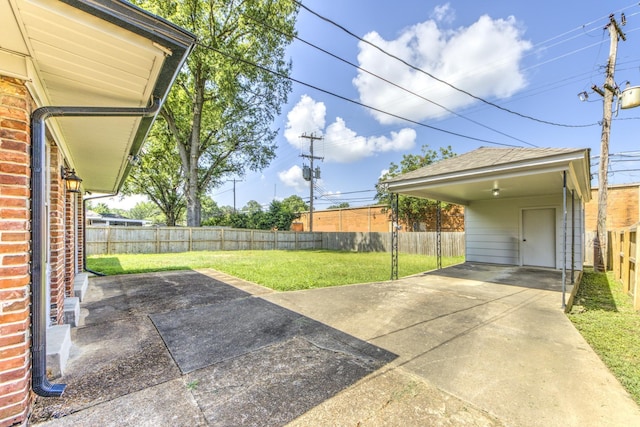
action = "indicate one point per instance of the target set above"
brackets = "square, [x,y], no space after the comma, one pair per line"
[71,180]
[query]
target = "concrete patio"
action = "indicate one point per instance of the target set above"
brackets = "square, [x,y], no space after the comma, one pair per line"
[474,344]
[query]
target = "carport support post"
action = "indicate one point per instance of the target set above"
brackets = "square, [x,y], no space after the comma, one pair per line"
[573,236]
[439,234]
[564,237]
[394,236]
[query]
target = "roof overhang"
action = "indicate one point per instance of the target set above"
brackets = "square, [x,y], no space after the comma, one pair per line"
[100,53]
[530,178]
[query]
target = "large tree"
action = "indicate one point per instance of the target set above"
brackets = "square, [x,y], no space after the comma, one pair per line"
[158,175]
[411,210]
[221,109]
[295,204]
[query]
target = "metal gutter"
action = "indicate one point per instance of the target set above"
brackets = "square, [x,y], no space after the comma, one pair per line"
[173,38]
[40,383]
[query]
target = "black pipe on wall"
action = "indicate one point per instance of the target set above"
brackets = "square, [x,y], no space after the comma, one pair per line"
[40,383]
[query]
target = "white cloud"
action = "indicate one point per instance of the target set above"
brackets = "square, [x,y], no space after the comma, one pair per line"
[341,144]
[483,59]
[292,177]
[383,172]
[306,117]
[443,13]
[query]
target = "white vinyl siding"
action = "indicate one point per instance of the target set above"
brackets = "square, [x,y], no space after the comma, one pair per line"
[493,229]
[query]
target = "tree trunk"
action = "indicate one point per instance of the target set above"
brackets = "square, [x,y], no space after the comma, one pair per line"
[193,202]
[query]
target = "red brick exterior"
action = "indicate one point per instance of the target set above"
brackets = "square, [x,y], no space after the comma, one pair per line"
[81,231]
[623,207]
[373,219]
[15,357]
[16,106]
[56,236]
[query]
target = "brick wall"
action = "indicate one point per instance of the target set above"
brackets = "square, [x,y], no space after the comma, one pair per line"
[15,361]
[623,207]
[373,219]
[81,232]
[368,219]
[57,254]
[69,243]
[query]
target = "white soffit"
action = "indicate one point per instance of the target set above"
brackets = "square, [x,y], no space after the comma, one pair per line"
[80,60]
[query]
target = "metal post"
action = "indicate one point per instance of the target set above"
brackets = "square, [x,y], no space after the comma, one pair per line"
[439,234]
[573,236]
[394,236]
[564,237]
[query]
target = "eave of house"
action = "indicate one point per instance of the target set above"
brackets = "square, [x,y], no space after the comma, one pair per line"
[525,178]
[101,53]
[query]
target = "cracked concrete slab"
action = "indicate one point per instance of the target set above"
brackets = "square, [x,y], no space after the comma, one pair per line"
[202,336]
[117,297]
[109,360]
[166,404]
[276,384]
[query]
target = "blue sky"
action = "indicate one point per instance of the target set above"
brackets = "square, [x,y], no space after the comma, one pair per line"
[530,57]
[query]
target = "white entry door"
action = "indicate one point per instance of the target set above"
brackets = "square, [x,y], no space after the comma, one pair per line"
[539,237]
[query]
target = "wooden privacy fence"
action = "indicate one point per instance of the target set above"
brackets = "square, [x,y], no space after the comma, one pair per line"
[127,240]
[625,254]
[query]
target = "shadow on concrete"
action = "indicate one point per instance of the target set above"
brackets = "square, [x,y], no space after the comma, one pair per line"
[525,277]
[238,359]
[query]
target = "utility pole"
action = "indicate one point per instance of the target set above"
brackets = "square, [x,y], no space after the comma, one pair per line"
[234,193]
[309,173]
[609,92]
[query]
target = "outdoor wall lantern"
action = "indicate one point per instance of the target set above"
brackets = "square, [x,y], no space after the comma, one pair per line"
[495,192]
[71,180]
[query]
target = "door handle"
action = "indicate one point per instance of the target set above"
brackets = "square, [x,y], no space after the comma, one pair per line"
[524,240]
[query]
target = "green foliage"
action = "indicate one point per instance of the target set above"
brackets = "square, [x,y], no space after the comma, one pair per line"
[279,270]
[221,109]
[100,208]
[605,316]
[147,211]
[158,175]
[295,204]
[339,206]
[252,207]
[279,216]
[411,210]
[210,210]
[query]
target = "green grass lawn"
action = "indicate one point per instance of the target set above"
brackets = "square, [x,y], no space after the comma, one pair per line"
[279,270]
[605,316]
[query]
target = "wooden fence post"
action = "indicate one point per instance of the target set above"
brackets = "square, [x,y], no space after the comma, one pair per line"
[616,249]
[636,275]
[624,270]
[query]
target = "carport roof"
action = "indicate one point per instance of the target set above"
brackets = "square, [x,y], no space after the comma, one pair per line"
[516,172]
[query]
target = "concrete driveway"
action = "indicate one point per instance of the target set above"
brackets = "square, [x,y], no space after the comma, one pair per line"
[472,345]
[493,336]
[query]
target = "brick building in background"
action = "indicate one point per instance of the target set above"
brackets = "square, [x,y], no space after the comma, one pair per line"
[623,207]
[375,219]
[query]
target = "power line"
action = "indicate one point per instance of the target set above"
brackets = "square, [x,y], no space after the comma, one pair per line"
[437,78]
[388,81]
[344,98]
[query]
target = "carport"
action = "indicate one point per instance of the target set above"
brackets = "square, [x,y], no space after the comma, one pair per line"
[523,206]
